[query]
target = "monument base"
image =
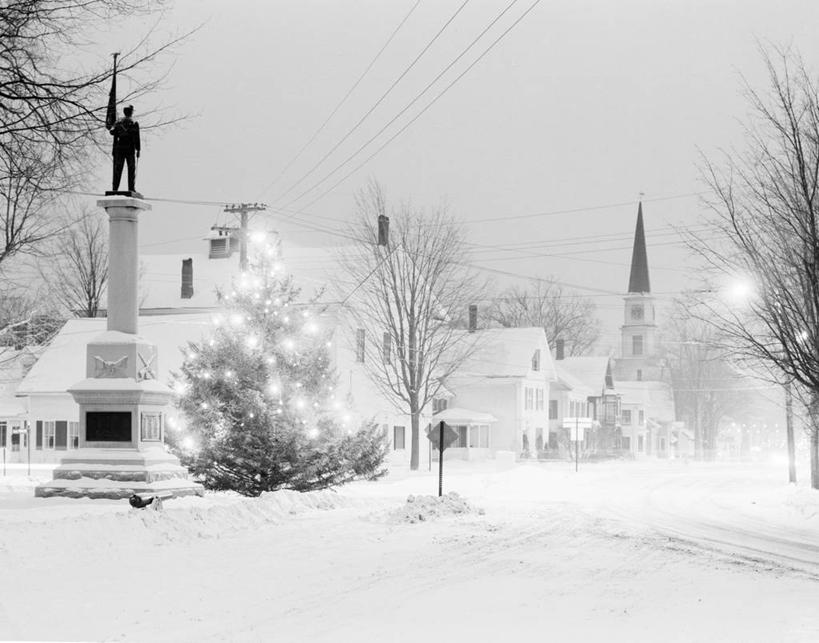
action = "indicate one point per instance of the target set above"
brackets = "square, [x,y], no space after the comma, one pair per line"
[118,473]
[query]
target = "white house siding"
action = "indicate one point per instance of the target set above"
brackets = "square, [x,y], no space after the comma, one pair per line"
[634,430]
[505,399]
[46,408]
[534,420]
[496,397]
[366,401]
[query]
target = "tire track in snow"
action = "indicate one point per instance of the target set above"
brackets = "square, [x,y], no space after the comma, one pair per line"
[739,535]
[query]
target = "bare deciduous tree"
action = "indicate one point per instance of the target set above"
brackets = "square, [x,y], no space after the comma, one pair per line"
[404,296]
[707,386]
[766,209]
[77,271]
[563,315]
[26,318]
[30,184]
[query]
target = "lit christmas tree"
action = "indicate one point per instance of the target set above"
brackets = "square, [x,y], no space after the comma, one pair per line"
[259,398]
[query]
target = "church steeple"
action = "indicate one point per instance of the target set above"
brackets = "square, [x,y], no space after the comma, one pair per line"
[638,281]
[638,358]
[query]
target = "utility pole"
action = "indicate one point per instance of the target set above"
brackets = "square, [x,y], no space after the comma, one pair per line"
[789,428]
[242,209]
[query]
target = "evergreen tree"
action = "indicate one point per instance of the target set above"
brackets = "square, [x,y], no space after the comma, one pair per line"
[259,398]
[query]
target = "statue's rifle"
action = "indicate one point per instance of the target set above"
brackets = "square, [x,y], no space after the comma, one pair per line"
[111,114]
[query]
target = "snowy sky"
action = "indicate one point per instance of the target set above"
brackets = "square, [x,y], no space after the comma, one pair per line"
[585,103]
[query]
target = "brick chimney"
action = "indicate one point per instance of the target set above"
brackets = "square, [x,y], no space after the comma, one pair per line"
[559,349]
[187,278]
[473,318]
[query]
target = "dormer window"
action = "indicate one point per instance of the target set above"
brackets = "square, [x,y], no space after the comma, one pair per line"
[536,360]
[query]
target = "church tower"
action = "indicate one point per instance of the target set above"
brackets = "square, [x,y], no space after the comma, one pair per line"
[638,333]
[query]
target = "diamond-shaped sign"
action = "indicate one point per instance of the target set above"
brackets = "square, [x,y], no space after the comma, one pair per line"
[434,434]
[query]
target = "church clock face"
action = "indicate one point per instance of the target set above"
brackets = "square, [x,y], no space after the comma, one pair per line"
[637,313]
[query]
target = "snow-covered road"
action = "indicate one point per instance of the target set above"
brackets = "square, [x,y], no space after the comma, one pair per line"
[724,509]
[620,552]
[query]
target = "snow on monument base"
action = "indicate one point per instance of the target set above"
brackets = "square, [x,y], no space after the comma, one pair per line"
[118,473]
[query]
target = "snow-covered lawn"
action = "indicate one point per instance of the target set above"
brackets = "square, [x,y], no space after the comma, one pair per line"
[650,551]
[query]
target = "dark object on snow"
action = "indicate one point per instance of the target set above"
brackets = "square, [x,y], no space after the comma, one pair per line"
[142,500]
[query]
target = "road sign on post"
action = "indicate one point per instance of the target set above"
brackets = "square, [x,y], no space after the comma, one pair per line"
[441,437]
[577,433]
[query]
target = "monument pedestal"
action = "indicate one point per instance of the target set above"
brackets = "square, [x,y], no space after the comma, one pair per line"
[122,405]
[118,473]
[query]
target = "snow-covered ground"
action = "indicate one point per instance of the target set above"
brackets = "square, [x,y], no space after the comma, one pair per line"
[651,551]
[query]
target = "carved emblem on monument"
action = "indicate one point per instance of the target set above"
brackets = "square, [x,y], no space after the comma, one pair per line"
[146,371]
[110,369]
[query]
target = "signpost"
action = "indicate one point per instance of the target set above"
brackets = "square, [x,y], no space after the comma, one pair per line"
[577,433]
[441,437]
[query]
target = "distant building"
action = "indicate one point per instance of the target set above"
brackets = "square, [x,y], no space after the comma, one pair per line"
[500,394]
[14,364]
[647,418]
[585,391]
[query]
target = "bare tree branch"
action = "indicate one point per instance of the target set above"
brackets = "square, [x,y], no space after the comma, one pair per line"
[406,296]
[563,315]
[764,204]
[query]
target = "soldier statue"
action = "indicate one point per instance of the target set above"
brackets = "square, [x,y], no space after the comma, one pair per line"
[126,147]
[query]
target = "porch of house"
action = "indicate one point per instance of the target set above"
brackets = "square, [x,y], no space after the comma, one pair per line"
[474,440]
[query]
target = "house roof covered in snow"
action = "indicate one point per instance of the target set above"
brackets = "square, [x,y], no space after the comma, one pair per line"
[590,371]
[161,276]
[13,364]
[657,398]
[508,352]
[572,383]
[62,364]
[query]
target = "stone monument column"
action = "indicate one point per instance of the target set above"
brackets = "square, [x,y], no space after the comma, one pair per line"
[122,404]
[123,261]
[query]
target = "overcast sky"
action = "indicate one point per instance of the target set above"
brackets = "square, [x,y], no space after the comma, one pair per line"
[585,103]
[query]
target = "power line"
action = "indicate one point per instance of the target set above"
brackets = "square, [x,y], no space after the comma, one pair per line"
[377,103]
[607,206]
[321,127]
[408,105]
[423,111]
[301,211]
[652,233]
